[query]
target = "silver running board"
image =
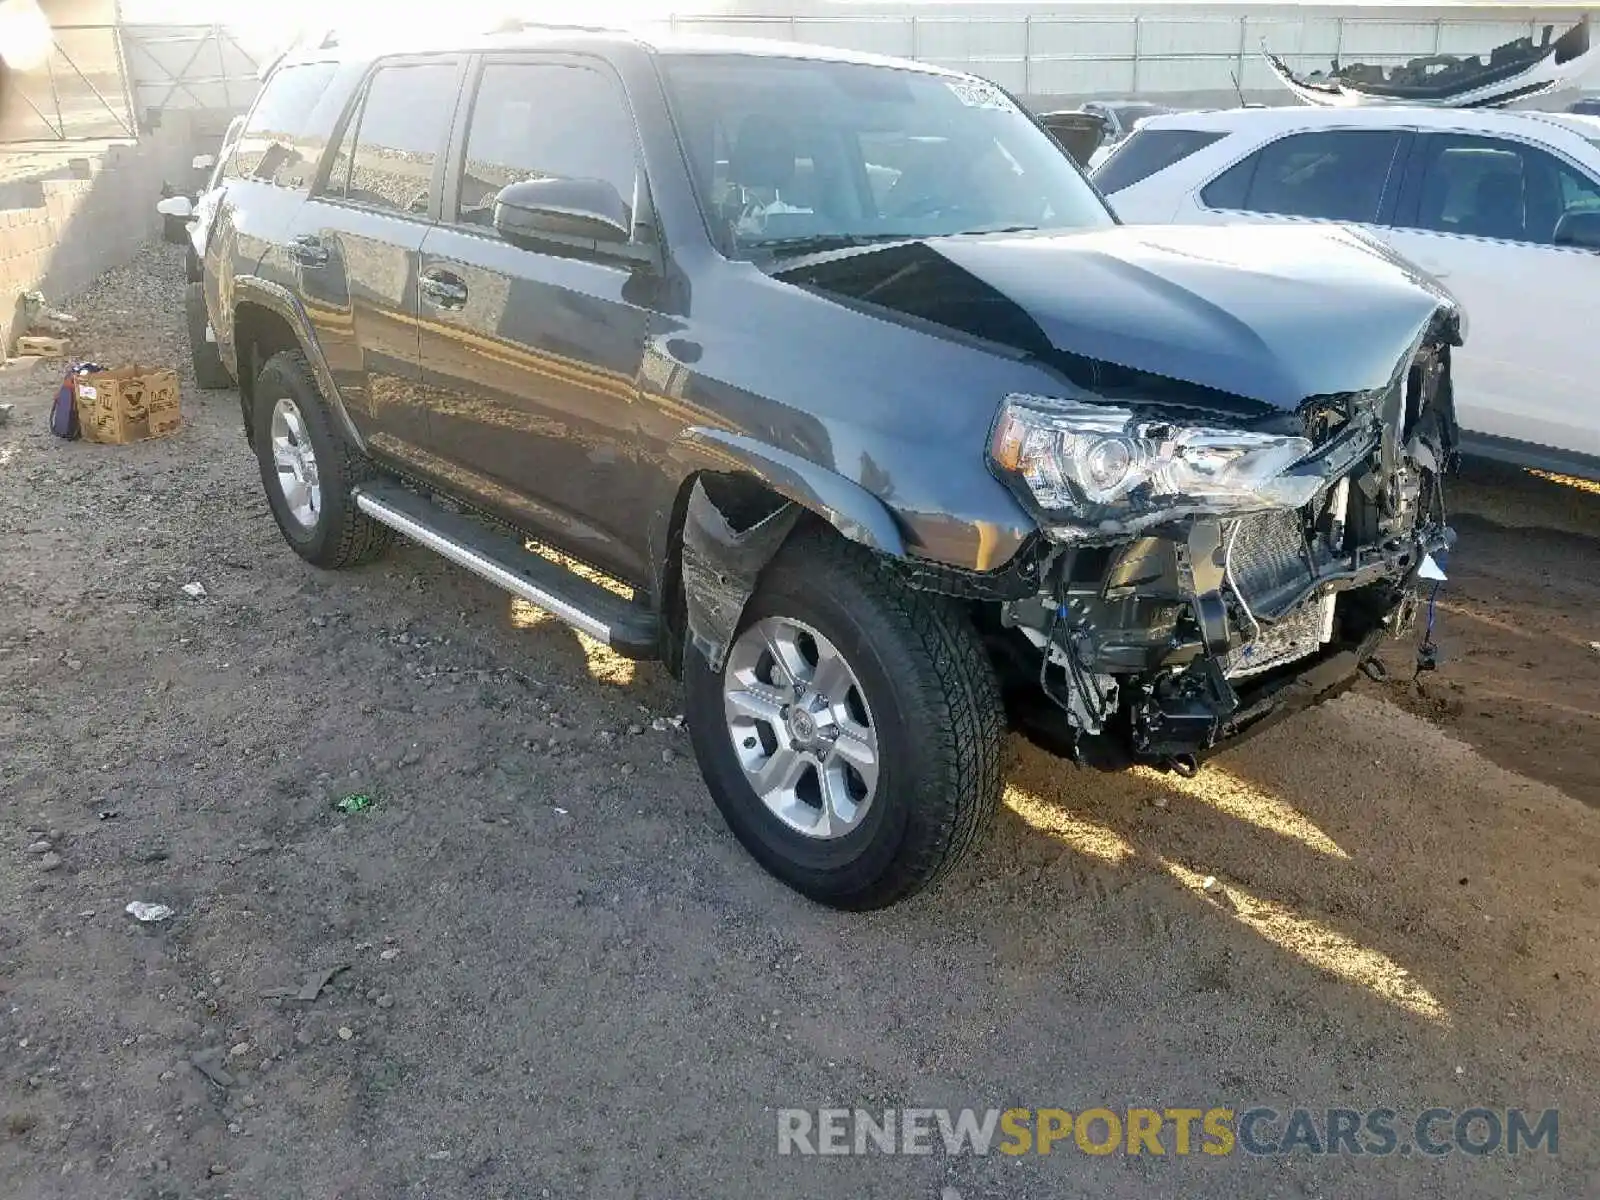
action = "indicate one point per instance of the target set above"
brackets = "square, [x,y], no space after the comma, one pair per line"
[493,557]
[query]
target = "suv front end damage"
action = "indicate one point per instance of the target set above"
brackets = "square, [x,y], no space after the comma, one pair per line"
[1196,581]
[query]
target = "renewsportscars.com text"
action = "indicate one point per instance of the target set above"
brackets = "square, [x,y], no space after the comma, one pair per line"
[1259,1131]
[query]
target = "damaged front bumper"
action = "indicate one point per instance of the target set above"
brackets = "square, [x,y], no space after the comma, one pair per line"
[1177,637]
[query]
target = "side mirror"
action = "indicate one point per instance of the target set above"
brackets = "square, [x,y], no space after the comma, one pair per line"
[1579,230]
[536,209]
[176,206]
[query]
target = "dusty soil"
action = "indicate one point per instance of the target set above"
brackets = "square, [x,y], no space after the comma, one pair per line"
[563,978]
[1519,628]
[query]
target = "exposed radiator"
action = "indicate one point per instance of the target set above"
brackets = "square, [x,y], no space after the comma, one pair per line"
[1267,555]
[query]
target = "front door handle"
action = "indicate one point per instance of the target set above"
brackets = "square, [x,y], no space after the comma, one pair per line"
[443,290]
[308,250]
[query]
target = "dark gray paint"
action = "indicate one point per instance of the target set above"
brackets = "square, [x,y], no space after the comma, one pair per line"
[709,363]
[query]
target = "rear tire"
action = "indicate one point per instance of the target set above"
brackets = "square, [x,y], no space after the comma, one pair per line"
[309,470]
[209,372]
[919,684]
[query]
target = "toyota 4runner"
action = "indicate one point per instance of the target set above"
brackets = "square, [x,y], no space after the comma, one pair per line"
[891,435]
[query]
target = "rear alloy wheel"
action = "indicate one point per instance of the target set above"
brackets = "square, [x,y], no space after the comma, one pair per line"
[310,470]
[852,738]
[296,461]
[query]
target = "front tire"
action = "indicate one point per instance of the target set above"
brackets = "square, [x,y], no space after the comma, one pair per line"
[309,470]
[853,738]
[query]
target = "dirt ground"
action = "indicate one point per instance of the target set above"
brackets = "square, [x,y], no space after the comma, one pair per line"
[564,979]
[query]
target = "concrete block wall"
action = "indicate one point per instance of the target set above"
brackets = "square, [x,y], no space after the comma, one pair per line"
[59,234]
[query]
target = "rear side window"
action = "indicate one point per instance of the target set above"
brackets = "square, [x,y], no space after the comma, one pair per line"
[543,121]
[1148,151]
[387,157]
[283,139]
[1331,175]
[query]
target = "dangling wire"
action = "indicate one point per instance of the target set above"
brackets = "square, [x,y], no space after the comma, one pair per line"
[1428,651]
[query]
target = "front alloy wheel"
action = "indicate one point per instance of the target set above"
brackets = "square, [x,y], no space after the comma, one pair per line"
[851,737]
[801,727]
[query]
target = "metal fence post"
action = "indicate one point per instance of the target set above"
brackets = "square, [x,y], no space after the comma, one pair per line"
[1244,33]
[129,94]
[222,68]
[1027,56]
[1138,30]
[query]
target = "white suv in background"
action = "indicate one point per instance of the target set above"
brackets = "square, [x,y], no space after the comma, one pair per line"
[1502,207]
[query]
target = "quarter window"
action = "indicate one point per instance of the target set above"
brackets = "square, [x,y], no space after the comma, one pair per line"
[545,121]
[399,132]
[1331,175]
[283,138]
[1147,152]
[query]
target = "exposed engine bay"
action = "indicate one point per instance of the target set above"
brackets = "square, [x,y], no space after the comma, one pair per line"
[1235,488]
[1162,646]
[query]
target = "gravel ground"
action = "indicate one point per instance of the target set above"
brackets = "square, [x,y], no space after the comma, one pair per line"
[562,978]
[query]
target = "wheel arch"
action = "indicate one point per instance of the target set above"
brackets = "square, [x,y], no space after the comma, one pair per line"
[268,319]
[737,502]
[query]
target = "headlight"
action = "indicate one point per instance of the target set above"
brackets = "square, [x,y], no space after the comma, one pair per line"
[1097,468]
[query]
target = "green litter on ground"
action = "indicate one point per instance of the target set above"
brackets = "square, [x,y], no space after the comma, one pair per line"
[353,803]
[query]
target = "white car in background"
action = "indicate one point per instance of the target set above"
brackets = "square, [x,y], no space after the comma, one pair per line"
[197,213]
[1502,207]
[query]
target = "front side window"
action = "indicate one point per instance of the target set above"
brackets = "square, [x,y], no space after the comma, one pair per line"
[543,121]
[1330,175]
[790,154]
[398,134]
[1493,188]
[281,141]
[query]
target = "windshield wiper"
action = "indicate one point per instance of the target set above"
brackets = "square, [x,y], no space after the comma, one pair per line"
[1000,229]
[818,243]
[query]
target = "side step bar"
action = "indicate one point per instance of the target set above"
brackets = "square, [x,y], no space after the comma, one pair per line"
[628,628]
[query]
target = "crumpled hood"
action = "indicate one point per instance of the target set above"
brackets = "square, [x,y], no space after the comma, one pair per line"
[1270,313]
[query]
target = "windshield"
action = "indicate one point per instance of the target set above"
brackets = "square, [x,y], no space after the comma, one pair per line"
[791,155]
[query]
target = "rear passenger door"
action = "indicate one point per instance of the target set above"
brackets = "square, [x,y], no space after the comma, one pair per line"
[356,246]
[531,357]
[1479,213]
[1345,175]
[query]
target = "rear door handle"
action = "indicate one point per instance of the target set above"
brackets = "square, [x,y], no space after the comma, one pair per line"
[308,251]
[443,290]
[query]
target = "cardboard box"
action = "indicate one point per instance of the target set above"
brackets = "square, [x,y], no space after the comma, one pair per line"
[128,404]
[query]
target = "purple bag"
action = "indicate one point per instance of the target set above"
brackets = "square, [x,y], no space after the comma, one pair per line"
[64,410]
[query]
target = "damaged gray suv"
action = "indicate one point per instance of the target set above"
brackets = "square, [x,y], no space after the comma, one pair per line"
[887,435]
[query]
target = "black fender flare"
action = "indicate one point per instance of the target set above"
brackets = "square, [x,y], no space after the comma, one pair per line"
[855,512]
[279,300]
[719,566]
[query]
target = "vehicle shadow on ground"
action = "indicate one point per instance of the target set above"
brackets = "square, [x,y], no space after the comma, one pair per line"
[1423,879]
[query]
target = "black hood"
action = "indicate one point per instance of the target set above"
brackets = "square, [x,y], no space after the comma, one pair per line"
[1273,314]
